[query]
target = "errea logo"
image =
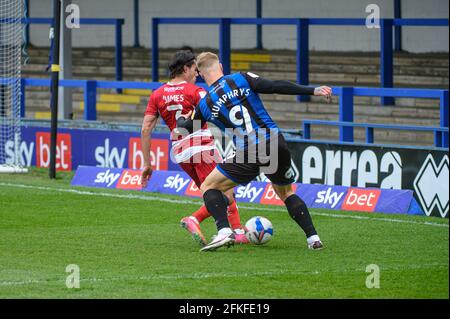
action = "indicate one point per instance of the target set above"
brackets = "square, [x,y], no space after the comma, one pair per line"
[431,185]
[292,172]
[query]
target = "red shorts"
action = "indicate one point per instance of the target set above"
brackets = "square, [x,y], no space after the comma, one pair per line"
[198,172]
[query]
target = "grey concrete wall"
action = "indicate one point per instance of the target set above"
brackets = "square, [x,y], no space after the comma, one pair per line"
[345,38]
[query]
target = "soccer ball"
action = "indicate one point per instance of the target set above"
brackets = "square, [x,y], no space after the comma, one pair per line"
[259,230]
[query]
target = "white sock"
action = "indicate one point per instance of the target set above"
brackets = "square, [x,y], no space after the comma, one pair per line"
[194,219]
[312,239]
[225,231]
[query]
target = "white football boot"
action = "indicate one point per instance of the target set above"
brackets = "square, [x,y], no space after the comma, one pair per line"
[225,237]
[314,243]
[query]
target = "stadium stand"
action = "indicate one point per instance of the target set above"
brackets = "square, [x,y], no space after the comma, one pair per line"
[337,69]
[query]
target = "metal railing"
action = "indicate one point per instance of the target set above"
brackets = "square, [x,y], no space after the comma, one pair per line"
[346,95]
[346,124]
[117,23]
[369,128]
[302,55]
[90,91]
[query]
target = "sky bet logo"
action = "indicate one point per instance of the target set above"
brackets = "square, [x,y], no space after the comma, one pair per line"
[107,178]
[249,193]
[130,180]
[159,154]
[270,197]
[176,183]
[363,200]
[193,190]
[63,151]
[108,155]
[127,179]
[329,198]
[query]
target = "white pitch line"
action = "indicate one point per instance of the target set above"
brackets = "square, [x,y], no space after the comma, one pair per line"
[148,278]
[196,202]
[214,275]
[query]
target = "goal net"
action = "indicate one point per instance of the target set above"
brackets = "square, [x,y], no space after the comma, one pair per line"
[11,39]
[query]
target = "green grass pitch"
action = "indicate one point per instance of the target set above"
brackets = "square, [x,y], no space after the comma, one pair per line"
[130,245]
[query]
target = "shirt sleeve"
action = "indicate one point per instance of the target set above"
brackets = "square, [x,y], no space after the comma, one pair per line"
[198,95]
[188,124]
[152,108]
[266,86]
[197,115]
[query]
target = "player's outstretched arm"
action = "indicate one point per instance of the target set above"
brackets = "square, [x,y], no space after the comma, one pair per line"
[148,125]
[266,86]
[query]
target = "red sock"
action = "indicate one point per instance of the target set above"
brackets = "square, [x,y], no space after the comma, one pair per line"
[201,214]
[233,216]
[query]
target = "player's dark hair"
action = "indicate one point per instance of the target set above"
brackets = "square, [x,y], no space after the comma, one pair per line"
[180,59]
[187,48]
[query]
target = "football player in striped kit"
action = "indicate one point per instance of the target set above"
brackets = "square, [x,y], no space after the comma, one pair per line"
[232,104]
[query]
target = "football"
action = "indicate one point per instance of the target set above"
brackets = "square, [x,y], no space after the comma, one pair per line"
[259,230]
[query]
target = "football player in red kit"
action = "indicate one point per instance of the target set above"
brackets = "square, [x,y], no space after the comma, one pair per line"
[196,153]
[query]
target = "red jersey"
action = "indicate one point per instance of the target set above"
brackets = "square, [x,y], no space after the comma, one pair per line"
[170,101]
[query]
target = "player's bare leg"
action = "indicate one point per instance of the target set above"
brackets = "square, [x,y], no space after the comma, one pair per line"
[213,188]
[299,213]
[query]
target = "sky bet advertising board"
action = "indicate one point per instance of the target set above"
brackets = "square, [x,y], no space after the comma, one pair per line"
[315,196]
[338,174]
[100,148]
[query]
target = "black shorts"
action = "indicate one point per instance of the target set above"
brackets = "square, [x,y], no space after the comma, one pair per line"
[276,166]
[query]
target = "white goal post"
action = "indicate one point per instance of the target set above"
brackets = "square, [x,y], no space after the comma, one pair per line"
[11,41]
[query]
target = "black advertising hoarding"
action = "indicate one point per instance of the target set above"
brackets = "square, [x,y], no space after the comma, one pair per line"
[425,171]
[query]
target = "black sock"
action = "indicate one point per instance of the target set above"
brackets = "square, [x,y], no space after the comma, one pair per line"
[217,206]
[299,212]
[227,201]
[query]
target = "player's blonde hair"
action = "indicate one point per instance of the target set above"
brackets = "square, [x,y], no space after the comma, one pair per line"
[206,60]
